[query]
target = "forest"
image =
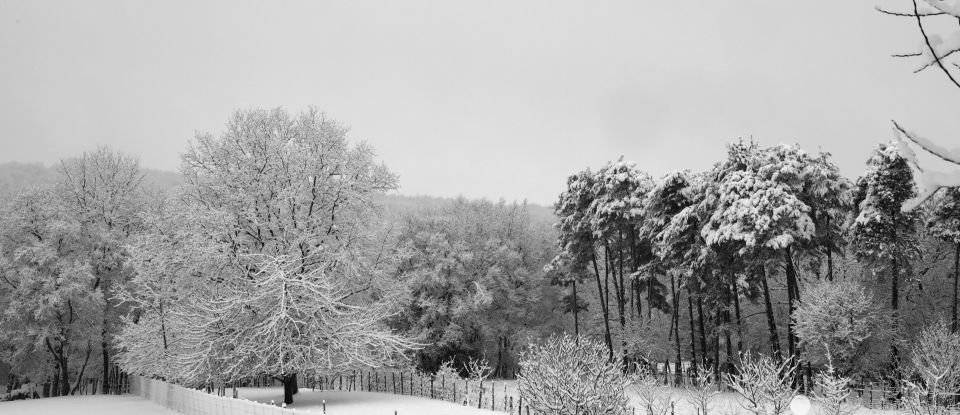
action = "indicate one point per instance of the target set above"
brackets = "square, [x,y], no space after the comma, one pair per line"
[213,275]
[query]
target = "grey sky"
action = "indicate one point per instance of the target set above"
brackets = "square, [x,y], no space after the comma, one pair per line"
[486,98]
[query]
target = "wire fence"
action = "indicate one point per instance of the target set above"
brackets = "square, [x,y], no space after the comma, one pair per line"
[201,402]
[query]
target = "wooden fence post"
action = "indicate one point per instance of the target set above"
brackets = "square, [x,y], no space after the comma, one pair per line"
[480,399]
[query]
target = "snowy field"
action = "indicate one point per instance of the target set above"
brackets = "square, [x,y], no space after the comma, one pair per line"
[361,403]
[84,405]
[338,403]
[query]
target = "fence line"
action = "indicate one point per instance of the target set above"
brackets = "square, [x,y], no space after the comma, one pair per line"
[501,396]
[197,402]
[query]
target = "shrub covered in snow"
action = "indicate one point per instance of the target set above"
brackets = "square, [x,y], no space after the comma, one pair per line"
[656,400]
[764,385]
[572,376]
[702,391]
[935,357]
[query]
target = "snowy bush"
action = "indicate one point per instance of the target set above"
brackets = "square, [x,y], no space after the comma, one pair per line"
[703,390]
[572,376]
[764,385]
[656,401]
[478,370]
[444,379]
[935,357]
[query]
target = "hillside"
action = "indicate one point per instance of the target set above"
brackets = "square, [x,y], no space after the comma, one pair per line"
[15,176]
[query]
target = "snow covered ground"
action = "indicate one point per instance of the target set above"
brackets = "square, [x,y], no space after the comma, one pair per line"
[84,405]
[361,403]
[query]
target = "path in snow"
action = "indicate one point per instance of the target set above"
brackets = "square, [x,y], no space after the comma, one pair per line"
[361,403]
[84,405]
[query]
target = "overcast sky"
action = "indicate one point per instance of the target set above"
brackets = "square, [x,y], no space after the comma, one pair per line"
[485,99]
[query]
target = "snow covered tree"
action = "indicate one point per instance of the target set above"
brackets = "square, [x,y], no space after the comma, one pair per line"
[830,197]
[474,273]
[102,191]
[53,310]
[945,224]
[759,213]
[883,235]
[679,244]
[575,236]
[616,216]
[668,198]
[289,205]
[174,260]
[841,321]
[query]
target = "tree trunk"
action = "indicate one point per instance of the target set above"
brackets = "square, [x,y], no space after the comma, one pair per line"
[499,372]
[55,384]
[64,374]
[603,307]
[105,388]
[736,305]
[793,295]
[895,305]
[726,333]
[716,344]
[955,325]
[650,279]
[576,307]
[676,328]
[703,328]
[829,264]
[289,385]
[82,370]
[639,301]
[693,332]
[620,294]
[771,322]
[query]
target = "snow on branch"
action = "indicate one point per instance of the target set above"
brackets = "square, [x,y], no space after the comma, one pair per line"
[951,7]
[930,45]
[929,181]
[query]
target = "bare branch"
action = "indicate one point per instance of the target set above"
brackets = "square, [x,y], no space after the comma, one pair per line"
[905,14]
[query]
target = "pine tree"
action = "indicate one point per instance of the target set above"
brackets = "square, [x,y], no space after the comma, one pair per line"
[883,235]
[945,224]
